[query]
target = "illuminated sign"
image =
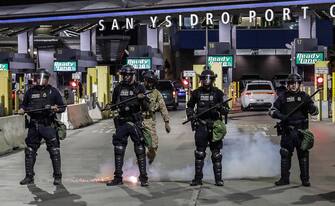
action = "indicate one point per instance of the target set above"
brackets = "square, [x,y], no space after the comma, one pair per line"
[127,21]
[140,63]
[224,60]
[308,58]
[4,67]
[65,66]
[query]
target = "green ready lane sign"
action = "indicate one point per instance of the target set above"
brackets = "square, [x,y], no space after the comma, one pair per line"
[225,60]
[140,63]
[65,66]
[4,67]
[308,58]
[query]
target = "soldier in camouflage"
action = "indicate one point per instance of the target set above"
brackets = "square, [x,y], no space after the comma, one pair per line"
[156,104]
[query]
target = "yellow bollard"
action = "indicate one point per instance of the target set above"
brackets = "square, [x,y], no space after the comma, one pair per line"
[325,87]
[5,92]
[103,85]
[230,95]
[333,97]
[91,79]
[238,89]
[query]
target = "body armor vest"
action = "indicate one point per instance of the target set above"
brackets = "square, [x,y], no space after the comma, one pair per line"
[206,100]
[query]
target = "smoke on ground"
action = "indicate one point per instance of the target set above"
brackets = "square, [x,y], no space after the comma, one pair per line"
[244,156]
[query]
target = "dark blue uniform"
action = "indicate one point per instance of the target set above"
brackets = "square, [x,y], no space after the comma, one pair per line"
[40,126]
[129,123]
[203,98]
[291,138]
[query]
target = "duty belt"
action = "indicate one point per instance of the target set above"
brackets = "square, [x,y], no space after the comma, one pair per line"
[44,122]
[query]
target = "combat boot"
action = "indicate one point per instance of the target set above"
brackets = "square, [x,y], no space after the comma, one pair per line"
[142,167]
[199,164]
[196,182]
[285,166]
[217,167]
[30,159]
[115,181]
[56,164]
[119,155]
[304,169]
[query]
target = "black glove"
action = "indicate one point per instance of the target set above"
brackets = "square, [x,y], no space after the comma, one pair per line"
[224,110]
[194,124]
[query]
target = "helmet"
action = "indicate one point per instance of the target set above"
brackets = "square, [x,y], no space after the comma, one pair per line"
[293,78]
[150,75]
[150,79]
[128,73]
[207,78]
[127,69]
[40,75]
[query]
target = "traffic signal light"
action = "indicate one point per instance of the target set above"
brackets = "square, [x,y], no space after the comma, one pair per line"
[186,83]
[73,84]
[319,82]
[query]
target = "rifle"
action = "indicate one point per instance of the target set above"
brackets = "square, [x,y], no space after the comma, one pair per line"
[207,110]
[112,107]
[281,123]
[47,107]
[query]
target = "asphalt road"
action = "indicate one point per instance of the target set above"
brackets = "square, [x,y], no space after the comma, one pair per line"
[250,166]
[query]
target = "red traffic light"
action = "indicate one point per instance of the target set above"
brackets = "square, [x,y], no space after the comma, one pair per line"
[73,84]
[186,82]
[319,80]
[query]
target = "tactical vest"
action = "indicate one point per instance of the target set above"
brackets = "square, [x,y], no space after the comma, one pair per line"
[126,92]
[38,99]
[291,101]
[206,100]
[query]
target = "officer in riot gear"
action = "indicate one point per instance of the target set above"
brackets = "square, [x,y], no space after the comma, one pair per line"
[42,96]
[202,99]
[289,128]
[129,123]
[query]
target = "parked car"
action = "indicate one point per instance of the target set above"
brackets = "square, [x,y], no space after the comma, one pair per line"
[169,93]
[258,94]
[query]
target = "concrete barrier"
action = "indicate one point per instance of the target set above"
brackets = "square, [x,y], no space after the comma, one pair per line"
[12,133]
[78,116]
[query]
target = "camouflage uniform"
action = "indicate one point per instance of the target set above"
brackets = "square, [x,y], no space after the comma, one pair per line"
[156,104]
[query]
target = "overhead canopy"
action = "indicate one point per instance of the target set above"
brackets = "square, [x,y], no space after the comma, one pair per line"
[93,9]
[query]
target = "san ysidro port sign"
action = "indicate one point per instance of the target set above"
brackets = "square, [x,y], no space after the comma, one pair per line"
[308,58]
[65,66]
[140,63]
[224,60]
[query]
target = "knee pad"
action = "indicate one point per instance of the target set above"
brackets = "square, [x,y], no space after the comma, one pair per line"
[54,151]
[119,150]
[30,152]
[216,155]
[199,154]
[285,153]
[139,149]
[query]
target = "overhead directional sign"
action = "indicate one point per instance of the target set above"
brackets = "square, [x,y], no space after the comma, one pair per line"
[321,67]
[4,67]
[140,63]
[189,73]
[65,66]
[308,58]
[224,60]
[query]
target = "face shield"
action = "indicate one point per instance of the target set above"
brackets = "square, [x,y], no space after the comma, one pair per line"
[293,86]
[41,79]
[206,80]
[127,77]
